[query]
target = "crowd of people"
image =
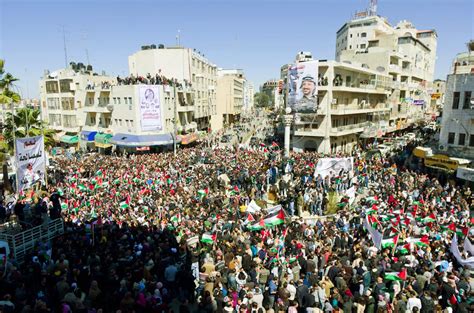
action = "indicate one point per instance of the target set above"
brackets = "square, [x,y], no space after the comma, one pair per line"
[149,79]
[245,230]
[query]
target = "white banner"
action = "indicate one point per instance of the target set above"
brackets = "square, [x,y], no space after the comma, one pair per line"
[150,108]
[332,166]
[30,161]
[465,173]
[303,87]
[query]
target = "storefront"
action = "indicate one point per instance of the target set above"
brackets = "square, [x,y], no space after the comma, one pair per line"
[102,142]
[130,142]
[87,139]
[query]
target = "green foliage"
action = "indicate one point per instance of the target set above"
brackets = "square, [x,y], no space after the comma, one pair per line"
[262,99]
[333,199]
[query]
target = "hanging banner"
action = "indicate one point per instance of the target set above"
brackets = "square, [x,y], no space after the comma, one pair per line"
[30,161]
[150,108]
[303,87]
[332,166]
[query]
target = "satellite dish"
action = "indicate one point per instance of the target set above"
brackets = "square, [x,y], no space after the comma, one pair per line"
[380,69]
[365,65]
[110,107]
[53,74]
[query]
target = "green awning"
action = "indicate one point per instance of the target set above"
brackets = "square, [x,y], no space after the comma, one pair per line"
[69,139]
[102,138]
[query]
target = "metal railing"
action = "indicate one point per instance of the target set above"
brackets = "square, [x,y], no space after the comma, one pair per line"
[23,242]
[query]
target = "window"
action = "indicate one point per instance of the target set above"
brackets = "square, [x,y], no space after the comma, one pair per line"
[67,103]
[456,96]
[363,35]
[471,141]
[53,103]
[118,100]
[65,85]
[350,46]
[451,138]
[129,100]
[351,35]
[131,123]
[362,46]
[69,120]
[116,122]
[52,87]
[462,139]
[467,100]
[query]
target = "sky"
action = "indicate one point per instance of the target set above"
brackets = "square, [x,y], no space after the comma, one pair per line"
[257,36]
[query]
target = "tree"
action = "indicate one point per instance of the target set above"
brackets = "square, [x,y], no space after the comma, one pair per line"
[262,99]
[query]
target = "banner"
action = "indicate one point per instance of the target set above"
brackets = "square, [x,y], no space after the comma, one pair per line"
[303,87]
[332,166]
[150,108]
[30,161]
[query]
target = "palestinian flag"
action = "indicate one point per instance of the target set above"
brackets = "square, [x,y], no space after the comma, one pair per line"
[398,276]
[117,181]
[257,226]
[372,200]
[389,243]
[429,219]
[176,218]
[124,205]
[404,249]
[250,218]
[420,242]
[98,173]
[275,219]
[82,187]
[203,192]
[207,238]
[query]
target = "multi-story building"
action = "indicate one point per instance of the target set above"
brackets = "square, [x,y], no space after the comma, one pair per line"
[405,53]
[437,95]
[67,92]
[248,97]
[351,100]
[230,94]
[457,123]
[187,66]
[270,88]
[95,111]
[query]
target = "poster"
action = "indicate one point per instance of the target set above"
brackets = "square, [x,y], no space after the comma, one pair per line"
[303,87]
[150,108]
[30,161]
[332,166]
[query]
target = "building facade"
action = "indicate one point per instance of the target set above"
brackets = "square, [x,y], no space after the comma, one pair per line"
[230,95]
[405,53]
[352,99]
[270,88]
[187,66]
[457,123]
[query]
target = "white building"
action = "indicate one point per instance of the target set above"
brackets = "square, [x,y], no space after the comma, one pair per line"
[352,101]
[185,65]
[249,93]
[457,127]
[95,112]
[405,53]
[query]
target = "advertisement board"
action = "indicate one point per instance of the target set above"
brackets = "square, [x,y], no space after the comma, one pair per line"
[30,161]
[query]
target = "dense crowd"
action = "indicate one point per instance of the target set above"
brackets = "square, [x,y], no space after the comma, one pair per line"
[149,79]
[221,230]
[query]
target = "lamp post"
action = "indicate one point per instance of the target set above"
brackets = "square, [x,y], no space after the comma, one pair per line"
[288,119]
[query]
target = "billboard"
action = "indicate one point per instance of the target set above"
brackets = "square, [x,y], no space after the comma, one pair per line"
[30,161]
[150,108]
[303,87]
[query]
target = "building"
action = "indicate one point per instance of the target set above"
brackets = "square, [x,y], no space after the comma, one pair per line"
[230,94]
[437,96]
[185,65]
[457,127]
[91,111]
[24,103]
[249,93]
[270,88]
[352,101]
[405,53]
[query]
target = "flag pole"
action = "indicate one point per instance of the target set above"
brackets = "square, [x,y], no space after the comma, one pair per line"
[17,183]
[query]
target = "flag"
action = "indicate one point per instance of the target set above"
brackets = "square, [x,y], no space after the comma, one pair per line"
[430,219]
[468,246]
[203,192]
[420,242]
[176,218]
[376,236]
[274,144]
[124,205]
[64,206]
[257,226]
[82,187]
[98,173]
[390,242]
[250,218]
[399,276]
[207,238]
[274,220]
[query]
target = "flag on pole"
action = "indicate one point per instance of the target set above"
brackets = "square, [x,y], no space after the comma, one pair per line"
[274,220]
[398,276]
[124,205]
[390,242]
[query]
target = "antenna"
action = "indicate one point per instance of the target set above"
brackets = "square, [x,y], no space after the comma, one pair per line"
[65,49]
[178,38]
[84,38]
[373,7]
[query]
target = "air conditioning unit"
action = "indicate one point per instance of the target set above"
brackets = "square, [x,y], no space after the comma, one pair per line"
[442,147]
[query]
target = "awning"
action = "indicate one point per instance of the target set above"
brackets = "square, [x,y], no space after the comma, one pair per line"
[130,140]
[57,136]
[103,140]
[187,139]
[88,135]
[69,139]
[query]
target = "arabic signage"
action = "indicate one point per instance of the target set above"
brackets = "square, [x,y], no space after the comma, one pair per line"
[30,161]
[150,108]
[418,102]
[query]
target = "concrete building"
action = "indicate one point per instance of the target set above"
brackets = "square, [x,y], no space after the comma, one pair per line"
[249,93]
[405,53]
[270,88]
[94,112]
[437,96]
[457,127]
[230,94]
[352,101]
[186,65]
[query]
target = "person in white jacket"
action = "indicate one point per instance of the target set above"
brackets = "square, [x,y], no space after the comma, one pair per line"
[319,296]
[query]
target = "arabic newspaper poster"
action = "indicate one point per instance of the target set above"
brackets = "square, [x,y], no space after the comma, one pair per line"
[150,108]
[30,161]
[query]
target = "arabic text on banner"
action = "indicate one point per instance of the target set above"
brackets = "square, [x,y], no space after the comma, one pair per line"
[30,161]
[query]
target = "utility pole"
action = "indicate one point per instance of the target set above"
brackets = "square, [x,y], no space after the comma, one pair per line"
[65,49]
[175,120]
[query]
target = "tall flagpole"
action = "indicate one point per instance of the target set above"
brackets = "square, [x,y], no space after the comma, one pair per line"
[17,182]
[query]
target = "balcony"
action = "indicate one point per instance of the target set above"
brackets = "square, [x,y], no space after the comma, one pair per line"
[394,68]
[185,108]
[360,88]
[343,109]
[348,129]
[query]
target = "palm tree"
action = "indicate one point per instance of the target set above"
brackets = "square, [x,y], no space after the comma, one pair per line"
[26,122]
